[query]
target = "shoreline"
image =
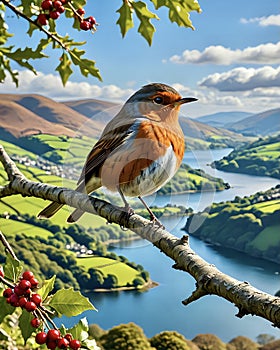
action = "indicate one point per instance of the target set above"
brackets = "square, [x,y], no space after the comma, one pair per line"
[148,285]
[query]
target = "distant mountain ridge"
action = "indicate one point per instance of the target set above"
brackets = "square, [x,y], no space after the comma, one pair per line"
[261,124]
[22,115]
[221,119]
[265,123]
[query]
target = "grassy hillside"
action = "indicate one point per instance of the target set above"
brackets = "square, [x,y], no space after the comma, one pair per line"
[261,157]
[265,123]
[249,224]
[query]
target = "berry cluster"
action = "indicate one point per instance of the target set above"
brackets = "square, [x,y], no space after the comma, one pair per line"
[85,23]
[54,339]
[50,9]
[23,294]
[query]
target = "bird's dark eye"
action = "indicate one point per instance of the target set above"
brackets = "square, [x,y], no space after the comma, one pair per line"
[158,100]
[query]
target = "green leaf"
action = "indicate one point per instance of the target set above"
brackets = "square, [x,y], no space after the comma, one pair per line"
[180,15]
[159,3]
[46,288]
[24,324]
[26,54]
[86,66]
[64,68]
[146,29]
[31,29]
[6,309]
[70,303]
[12,269]
[125,20]
[80,330]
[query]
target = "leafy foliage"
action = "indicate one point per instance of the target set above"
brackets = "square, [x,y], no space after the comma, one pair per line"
[249,224]
[123,337]
[30,10]
[260,158]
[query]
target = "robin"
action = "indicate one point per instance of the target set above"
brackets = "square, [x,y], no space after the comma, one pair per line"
[139,151]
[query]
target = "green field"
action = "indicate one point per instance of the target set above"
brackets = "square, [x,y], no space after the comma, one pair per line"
[71,150]
[13,149]
[268,206]
[268,237]
[124,273]
[11,227]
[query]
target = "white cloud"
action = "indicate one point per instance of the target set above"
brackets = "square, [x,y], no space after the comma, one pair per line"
[209,100]
[242,79]
[262,54]
[50,85]
[272,20]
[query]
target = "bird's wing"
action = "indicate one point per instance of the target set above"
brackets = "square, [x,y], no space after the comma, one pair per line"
[99,153]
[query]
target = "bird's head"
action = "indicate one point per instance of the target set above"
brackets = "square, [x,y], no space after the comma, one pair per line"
[157,102]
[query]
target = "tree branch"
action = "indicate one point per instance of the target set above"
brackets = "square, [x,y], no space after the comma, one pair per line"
[35,23]
[209,280]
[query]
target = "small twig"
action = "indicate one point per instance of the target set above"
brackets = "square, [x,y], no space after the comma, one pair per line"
[6,282]
[21,14]
[6,244]
[46,317]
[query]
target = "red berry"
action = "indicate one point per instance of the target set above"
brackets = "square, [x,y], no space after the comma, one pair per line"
[8,292]
[57,4]
[2,274]
[30,306]
[46,5]
[51,344]
[36,298]
[35,322]
[81,11]
[14,300]
[68,336]
[75,344]
[53,334]
[34,282]
[22,301]
[41,338]
[18,291]
[54,14]
[62,343]
[42,19]
[27,275]
[84,25]
[24,285]
[91,20]
[63,1]
[61,9]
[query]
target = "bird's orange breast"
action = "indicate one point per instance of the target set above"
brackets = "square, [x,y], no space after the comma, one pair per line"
[152,142]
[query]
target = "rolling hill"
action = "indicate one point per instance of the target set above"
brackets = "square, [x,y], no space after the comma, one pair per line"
[265,123]
[22,115]
[25,115]
[222,119]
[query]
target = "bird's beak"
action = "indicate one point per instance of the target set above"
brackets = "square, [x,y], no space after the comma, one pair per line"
[185,100]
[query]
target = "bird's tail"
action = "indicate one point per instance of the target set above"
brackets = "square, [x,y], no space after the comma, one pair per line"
[50,210]
[75,216]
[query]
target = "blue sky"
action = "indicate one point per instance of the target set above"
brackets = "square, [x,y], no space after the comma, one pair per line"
[231,61]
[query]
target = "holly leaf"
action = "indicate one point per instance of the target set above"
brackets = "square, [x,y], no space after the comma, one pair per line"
[12,268]
[80,330]
[64,68]
[125,20]
[146,29]
[47,287]
[24,324]
[86,66]
[70,303]
[6,309]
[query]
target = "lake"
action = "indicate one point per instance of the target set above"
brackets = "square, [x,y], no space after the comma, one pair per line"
[160,308]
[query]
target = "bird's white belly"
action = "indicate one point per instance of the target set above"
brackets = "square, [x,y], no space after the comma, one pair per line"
[153,177]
